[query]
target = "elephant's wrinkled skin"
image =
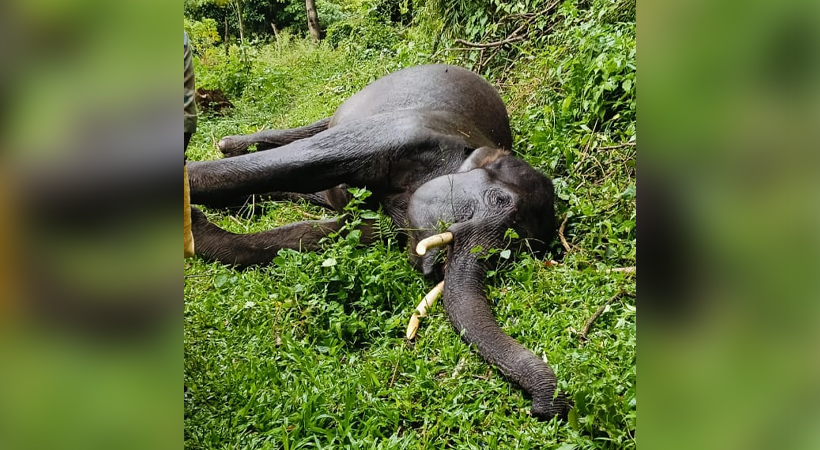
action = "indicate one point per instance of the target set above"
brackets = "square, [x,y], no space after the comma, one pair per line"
[432,145]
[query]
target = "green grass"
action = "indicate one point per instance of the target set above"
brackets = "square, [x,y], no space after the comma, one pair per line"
[299,353]
[309,352]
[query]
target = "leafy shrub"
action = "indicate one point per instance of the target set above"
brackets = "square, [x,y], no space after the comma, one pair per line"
[395,11]
[229,73]
[362,33]
[203,34]
[257,15]
[329,12]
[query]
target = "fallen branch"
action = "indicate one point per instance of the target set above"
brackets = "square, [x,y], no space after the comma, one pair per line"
[631,270]
[583,334]
[509,40]
[561,234]
[451,49]
[513,37]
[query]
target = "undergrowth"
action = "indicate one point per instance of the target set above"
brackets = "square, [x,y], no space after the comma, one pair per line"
[309,351]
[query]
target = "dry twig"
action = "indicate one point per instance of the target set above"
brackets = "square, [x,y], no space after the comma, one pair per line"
[308,215]
[393,377]
[519,34]
[479,45]
[612,147]
[631,270]
[561,234]
[627,270]
[453,49]
[199,275]
[243,225]
[584,153]
[514,36]
[583,334]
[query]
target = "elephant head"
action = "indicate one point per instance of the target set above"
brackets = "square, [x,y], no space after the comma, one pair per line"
[491,193]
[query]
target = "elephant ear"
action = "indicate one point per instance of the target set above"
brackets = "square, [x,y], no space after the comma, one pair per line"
[469,311]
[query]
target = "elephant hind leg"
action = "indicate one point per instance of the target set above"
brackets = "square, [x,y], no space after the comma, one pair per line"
[334,199]
[244,250]
[267,139]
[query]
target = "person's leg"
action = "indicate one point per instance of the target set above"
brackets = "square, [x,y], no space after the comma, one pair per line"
[188,238]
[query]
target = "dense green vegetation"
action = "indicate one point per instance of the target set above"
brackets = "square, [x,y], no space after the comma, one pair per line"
[309,352]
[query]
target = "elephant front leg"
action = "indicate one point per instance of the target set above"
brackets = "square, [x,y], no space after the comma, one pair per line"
[267,139]
[244,250]
[385,153]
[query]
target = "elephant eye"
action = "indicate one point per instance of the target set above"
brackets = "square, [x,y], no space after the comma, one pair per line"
[498,198]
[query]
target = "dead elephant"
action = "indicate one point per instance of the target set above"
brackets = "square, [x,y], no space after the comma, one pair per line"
[432,143]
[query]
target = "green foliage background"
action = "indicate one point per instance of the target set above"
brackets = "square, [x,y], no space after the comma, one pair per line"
[309,352]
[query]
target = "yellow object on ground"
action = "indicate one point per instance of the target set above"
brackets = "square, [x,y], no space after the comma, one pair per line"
[188,238]
[421,310]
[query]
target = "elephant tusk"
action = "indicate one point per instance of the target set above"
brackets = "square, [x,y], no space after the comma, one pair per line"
[421,310]
[437,240]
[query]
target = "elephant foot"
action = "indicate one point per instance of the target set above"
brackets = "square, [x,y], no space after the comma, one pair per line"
[233,146]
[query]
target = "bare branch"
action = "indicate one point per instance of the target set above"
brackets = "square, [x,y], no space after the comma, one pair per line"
[451,49]
[492,44]
[631,270]
[395,370]
[627,270]
[561,234]
[514,36]
[583,334]
[625,144]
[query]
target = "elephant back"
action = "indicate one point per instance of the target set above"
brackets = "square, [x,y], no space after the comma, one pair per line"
[436,87]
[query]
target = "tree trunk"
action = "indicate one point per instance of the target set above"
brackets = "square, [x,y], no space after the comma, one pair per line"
[238,7]
[225,41]
[275,31]
[313,20]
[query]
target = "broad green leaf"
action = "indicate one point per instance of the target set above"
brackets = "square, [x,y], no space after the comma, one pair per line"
[330,262]
[220,280]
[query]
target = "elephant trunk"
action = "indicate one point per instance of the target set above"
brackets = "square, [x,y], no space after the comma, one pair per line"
[469,312]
